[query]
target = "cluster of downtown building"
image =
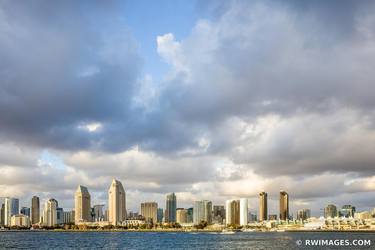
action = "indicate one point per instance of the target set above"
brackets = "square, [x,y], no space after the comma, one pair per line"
[235,212]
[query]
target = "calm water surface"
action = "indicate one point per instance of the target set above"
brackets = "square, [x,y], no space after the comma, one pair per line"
[166,240]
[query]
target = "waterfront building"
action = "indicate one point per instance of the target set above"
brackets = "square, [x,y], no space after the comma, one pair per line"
[11,207]
[243,211]
[50,213]
[69,217]
[347,211]
[202,212]
[116,203]
[20,220]
[2,212]
[252,217]
[330,211]
[272,217]
[284,205]
[98,213]
[59,215]
[303,214]
[218,214]
[181,215]
[190,215]
[25,211]
[263,208]
[232,212]
[160,215]
[365,215]
[82,205]
[149,210]
[170,208]
[35,210]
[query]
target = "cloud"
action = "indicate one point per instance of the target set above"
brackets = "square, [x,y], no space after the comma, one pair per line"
[262,95]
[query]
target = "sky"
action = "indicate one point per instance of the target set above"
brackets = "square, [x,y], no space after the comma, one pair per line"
[208,99]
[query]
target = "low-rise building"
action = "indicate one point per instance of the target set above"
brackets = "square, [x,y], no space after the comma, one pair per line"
[20,220]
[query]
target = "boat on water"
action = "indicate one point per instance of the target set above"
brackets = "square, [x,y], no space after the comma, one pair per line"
[248,230]
[228,231]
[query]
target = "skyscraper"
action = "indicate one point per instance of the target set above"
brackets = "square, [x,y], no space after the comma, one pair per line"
[25,211]
[347,211]
[149,210]
[11,207]
[50,213]
[35,210]
[284,205]
[116,203]
[170,208]
[330,211]
[243,211]
[2,212]
[263,209]
[202,212]
[82,204]
[232,212]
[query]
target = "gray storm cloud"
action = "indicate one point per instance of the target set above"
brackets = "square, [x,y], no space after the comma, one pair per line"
[258,90]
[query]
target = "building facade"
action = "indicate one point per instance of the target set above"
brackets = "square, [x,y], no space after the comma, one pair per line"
[25,211]
[347,211]
[330,211]
[82,205]
[116,203]
[20,220]
[181,215]
[218,214]
[284,206]
[263,208]
[11,207]
[50,213]
[69,217]
[149,210]
[244,211]
[303,214]
[35,210]
[160,215]
[232,215]
[98,211]
[170,208]
[202,212]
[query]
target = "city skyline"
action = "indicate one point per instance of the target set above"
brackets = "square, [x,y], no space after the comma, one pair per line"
[211,100]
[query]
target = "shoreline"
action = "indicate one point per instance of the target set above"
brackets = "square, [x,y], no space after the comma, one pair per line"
[193,231]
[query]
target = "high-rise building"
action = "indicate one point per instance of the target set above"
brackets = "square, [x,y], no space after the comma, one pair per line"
[35,210]
[202,212]
[243,211]
[284,206]
[149,210]
[170,208]
[190,215]
[82,205]
[181,215]
[50,213]
[25,211]
[98,212]
[59,216]
[218,214]
[116,203]
[347,211]
[2,212]
[20,220]
[303,214]
[160,215]
[263,209]
[232,212]
[11,207]
[330,211]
